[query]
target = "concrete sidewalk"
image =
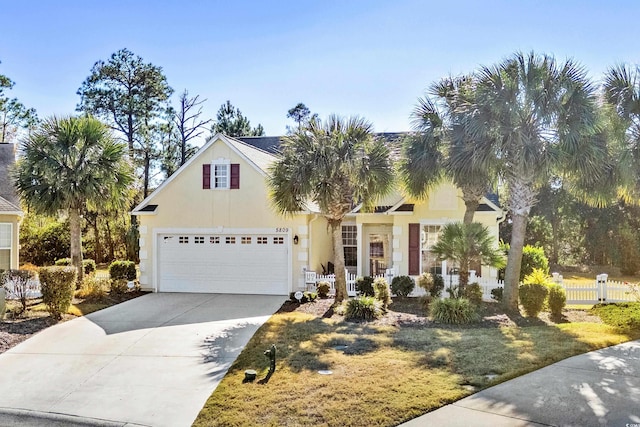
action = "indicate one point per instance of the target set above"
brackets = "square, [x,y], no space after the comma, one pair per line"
[151,361]
[600,388]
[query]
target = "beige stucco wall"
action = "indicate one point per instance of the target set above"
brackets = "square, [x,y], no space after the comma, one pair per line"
[444,204]
[183,203]
[14,220]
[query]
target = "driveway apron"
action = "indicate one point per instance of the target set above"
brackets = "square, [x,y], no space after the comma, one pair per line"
[153,360]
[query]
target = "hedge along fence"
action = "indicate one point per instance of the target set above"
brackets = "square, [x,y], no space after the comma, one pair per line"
[57,285]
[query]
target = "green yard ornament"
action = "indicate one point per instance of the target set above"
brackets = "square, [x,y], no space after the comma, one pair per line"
[271,354]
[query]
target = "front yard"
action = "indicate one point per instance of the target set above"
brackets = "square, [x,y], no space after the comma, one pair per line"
[391,370]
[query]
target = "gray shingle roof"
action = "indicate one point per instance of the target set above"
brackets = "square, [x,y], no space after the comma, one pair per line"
[6,206]
[271,144]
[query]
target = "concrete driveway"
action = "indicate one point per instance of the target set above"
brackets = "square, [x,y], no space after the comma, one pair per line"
[152,361]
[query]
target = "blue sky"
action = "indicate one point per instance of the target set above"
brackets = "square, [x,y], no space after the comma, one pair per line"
[371,58]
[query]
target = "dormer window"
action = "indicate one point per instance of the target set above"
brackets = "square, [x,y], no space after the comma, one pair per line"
[221,174]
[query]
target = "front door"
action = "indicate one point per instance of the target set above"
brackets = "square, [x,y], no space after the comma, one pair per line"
[379,253]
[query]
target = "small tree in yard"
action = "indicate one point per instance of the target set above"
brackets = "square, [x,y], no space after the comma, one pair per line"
[19,284]
[467,244]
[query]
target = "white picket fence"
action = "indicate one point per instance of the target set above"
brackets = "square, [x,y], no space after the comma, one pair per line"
[312,279]
[32,290]
[600,290]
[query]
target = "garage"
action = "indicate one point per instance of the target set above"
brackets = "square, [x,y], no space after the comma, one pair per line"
[239,263]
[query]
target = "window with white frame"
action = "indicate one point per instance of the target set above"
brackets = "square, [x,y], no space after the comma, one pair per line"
[6,230]
[220,178]
[350,244]
[429,236]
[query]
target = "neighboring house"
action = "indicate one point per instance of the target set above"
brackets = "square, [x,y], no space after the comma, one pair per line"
[210,227]
[10,212]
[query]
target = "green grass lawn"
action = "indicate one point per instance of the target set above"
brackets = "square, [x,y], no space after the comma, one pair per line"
[387,374]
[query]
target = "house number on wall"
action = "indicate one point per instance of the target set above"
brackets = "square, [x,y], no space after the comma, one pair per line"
[282,230]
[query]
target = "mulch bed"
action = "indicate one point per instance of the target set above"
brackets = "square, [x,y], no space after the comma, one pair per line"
[411,312]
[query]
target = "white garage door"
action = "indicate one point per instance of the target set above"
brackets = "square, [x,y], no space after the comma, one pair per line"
[223,263]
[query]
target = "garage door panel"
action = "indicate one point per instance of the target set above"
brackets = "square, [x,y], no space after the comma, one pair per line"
[243,263]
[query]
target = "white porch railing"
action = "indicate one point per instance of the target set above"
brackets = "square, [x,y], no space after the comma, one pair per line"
[312,278]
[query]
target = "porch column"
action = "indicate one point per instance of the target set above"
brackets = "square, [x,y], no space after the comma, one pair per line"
[396,233]
[360,250]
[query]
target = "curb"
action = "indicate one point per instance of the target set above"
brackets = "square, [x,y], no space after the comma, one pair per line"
[11,417]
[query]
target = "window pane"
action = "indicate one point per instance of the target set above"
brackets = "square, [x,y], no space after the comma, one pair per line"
[350,256]
[221,176]
[5,236]
[430,235]
[349,235]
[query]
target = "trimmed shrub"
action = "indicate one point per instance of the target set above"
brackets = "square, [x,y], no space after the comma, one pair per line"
[57,285]
[323,289]
[496,294]
[473,292]
[364,286]
[557,299]
[533,258]
[122,270]
[382,292]
[363,308]
[19,284]
[402,286]
[93,289]
[532,297]
[63,262]
[453,310]
[432,283]
[118,286]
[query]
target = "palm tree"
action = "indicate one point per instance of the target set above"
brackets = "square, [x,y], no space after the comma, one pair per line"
[336,164]
[67,164]
[431,154]
[467,244]
[622,109]
[533,118]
